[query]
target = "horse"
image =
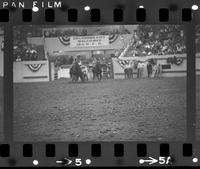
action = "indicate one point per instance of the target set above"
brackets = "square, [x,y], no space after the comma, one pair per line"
[97,72]
[149,69]
[76,72]
[128,73]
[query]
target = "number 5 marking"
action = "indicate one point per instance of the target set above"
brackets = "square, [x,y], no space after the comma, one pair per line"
[78,162]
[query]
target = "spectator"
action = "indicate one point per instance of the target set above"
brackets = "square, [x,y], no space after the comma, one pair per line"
[159,40]
[33,54]
[18,59]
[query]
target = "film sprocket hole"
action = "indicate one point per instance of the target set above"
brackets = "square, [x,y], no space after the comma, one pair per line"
[99,83]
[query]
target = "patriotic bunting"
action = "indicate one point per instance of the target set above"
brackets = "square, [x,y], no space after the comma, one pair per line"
[34,67]
[175,60]
[113,38]
[125,63]
[65,40]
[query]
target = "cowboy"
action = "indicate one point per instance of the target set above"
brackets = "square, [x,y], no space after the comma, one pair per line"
[128,71]
[75,61]
[140,69]
[80,62]
[149,69]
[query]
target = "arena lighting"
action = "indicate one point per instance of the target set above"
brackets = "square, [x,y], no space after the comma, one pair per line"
[195,7]
[35,9]
[87,8]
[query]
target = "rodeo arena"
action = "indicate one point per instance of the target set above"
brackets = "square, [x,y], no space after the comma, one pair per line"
[100,83]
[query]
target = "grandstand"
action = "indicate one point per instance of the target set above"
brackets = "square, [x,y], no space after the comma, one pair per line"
[148,40]
[55,44]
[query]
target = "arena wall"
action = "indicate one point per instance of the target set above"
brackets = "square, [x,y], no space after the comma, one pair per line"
[22,72]
[64,72]
[174,71]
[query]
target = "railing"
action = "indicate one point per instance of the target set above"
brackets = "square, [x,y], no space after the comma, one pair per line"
[31,71]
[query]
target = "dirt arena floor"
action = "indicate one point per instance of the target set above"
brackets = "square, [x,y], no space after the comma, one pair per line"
[110,110]
[1,108]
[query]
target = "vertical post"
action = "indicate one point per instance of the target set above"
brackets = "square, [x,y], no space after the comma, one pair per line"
[191,91]
[50,74]
[8,83]
[52,71]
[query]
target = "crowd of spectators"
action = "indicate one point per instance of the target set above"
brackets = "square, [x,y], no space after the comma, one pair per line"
[158,40]
[198,38]
[24,52]
[148,39]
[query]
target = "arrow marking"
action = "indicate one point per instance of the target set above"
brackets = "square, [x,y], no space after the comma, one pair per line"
[150,161]
[68,161]
[65,161]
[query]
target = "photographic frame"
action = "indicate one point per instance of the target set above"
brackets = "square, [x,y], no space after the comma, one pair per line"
[128,148]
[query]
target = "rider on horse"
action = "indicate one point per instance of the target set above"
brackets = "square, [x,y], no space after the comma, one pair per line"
[76,72]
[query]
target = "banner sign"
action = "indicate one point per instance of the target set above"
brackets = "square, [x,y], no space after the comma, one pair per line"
[89,41]
[65,40]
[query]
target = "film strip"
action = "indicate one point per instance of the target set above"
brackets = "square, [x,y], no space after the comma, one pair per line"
[92,155]
[95,14]
[98,83]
